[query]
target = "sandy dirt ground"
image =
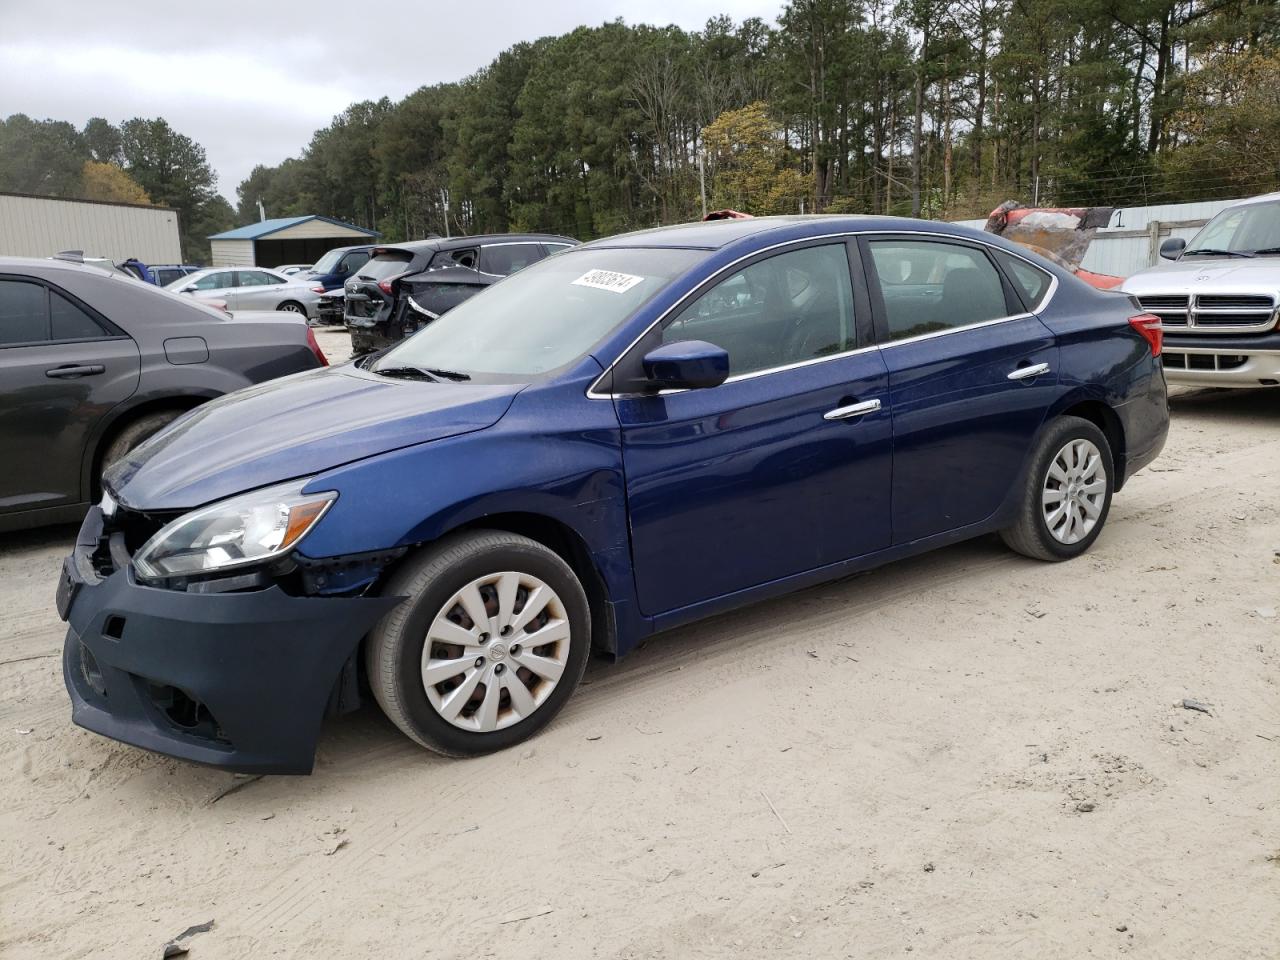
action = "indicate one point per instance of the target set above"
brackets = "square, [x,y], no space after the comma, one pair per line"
[968,754]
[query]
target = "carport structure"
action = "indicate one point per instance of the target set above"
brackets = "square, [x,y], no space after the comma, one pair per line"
[270,243]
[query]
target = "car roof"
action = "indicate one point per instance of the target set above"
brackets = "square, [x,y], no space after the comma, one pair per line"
[718,234]
[21,264]
[457,243]
[1264,198]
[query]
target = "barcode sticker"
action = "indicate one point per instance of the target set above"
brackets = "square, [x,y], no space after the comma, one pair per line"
[608,280]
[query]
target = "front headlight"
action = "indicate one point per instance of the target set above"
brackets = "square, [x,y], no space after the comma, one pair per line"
[233,533]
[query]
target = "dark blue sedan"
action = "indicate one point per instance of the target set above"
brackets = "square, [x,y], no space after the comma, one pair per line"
[625,437]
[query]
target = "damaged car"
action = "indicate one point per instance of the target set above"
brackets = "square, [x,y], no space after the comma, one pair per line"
[625,437]
[404,287]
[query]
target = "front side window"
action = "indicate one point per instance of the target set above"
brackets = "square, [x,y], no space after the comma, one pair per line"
[542,318]
[354,261]
[506,258]
[930,286]
[787,309]
[24,313]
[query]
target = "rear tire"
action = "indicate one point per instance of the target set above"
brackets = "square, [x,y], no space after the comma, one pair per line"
[488,646]
[290,306]
[1063,506]
[133,433]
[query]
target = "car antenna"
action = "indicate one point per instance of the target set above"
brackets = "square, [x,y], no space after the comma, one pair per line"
[71,256]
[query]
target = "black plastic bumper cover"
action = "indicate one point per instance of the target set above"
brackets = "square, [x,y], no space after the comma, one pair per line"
[262,663]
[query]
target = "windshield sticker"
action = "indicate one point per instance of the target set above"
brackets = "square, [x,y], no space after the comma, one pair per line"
[608,280]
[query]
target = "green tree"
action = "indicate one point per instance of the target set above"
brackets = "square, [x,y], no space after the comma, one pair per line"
[40,156]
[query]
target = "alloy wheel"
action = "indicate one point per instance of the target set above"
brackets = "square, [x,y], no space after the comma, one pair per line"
[495,651]
[1075,491]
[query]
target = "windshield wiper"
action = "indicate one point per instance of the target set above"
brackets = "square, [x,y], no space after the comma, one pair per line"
[408,373]
[1210,252]
[1266,251]
[449,374]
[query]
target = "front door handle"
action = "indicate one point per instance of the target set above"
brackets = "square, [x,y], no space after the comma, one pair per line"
[1026,373]
[70,372]
[852,410]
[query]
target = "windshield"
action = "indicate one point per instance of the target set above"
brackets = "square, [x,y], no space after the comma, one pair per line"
[329,262]
[543,317]
[1245,229]
[388,263]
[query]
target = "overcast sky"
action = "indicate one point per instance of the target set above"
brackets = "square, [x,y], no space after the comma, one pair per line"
[253,81]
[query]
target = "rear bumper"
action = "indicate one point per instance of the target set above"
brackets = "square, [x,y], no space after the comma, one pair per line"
[234,680]
[1144,421]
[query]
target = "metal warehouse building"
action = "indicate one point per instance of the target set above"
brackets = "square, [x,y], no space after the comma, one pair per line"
[42,226]
[270,243]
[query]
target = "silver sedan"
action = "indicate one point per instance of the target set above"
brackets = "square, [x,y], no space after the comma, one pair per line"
[251,288]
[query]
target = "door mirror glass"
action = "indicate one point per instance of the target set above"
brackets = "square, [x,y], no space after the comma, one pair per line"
[1172,248]
[686,365]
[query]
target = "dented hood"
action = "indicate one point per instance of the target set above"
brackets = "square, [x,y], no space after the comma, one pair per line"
[294,427]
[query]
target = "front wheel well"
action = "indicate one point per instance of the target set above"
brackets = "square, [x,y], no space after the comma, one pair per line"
[572,549]
[1106,420]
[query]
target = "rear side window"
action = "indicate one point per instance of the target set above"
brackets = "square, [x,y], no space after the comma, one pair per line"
[1032,282]
[256,278]
[506,258]
[24,313]
[389,263]
[215,281]
[69,322]
[930,286]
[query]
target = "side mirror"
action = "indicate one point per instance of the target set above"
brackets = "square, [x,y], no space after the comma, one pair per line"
[188,289]
[687,365]
[1172,248]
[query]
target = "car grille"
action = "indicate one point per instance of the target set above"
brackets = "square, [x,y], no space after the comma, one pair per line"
[1203,361]
[1213,312]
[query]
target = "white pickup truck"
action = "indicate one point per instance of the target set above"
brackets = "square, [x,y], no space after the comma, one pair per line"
[1218,298]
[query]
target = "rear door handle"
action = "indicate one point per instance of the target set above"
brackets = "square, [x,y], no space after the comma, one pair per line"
[852,410]
[1026,373]
[71,372]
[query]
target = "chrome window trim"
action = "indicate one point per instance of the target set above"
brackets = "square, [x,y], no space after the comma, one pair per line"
[594,393]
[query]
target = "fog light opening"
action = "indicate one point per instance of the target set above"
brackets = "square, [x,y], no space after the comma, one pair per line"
[91,672]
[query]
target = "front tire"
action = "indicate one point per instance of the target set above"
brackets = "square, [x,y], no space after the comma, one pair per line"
[488,646]
[1067,495]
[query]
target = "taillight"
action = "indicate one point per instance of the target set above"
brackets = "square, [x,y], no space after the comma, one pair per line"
[385,286]
[315,347]
[1148,324]
[317,289]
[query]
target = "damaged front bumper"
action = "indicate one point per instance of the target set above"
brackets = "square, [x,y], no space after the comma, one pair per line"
[238,680]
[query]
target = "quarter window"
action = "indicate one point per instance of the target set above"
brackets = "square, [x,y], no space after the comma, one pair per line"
[929,286]
[24,313]
[69,322]
[1031,281]
[787,309]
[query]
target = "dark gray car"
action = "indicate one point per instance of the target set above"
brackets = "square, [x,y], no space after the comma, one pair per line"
[92,363]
